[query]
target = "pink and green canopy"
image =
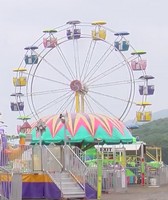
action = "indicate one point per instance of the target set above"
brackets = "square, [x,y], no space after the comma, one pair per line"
[82,128]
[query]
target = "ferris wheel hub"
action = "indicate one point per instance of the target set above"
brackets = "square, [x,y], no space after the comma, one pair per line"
[76,86]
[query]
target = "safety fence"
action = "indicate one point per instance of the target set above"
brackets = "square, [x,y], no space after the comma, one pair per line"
[5,184]
[113,180]
[30,159]
[157,176]
[17,159]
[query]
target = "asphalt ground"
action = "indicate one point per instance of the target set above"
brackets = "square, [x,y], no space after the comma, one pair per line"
[139,193]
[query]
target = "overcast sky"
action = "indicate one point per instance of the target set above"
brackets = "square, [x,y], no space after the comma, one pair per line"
[22,22]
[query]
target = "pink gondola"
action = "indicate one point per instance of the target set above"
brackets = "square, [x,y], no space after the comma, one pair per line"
[50,41]
[138,65]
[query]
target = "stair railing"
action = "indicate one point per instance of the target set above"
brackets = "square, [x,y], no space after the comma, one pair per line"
[151,156]
[51,165]
[80,153]
[75,165]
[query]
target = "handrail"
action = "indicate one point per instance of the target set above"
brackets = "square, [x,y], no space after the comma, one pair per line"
[80,153]
[75,165]
[150,156]
[52,166]
[76,155]
[53,156]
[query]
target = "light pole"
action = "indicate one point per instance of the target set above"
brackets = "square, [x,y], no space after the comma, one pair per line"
[40,128]
[99,168]
[64,120]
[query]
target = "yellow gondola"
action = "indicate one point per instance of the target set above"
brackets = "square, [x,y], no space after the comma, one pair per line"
[19,80]
[99,32]
[144,116]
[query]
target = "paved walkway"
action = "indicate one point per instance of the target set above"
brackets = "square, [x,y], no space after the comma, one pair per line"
[139,193]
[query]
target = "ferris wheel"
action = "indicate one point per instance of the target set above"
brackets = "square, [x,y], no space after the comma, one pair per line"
[81,67]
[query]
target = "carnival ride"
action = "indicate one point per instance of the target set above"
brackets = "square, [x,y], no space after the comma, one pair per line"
[89,73]
[83,68]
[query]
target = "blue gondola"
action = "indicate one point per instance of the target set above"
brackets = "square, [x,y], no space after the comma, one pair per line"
[73,32]
[32,58]
[17,106]
[146,90]
[121,43]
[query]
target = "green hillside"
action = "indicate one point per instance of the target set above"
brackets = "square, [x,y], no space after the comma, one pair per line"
[155,133]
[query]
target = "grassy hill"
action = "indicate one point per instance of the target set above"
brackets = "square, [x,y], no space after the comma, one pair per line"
[155,133]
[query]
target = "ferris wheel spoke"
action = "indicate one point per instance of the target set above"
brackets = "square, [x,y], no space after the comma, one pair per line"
[112,97]
[110,70]
[54,68]
[51,103]
[76,59]
[48,79]
[109,84]
[87,60]
[65,62]
[72,105]
[99,63]
[65,104]
[49,92]
[89,105]
[101,107]
[106,73]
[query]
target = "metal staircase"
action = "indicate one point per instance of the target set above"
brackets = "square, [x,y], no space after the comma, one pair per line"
[68,172]
[69,188]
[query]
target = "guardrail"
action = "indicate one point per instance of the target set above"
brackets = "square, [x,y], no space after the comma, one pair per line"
[51,164]
[75,165]
[157,176]
[112,179]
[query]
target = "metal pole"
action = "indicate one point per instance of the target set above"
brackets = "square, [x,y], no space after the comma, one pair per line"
[77,102]
[99,173]
[64,120]
[41,128]
[65,137]
[142,165]
[40,143]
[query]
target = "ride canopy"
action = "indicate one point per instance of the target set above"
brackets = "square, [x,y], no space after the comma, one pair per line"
[81,128]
